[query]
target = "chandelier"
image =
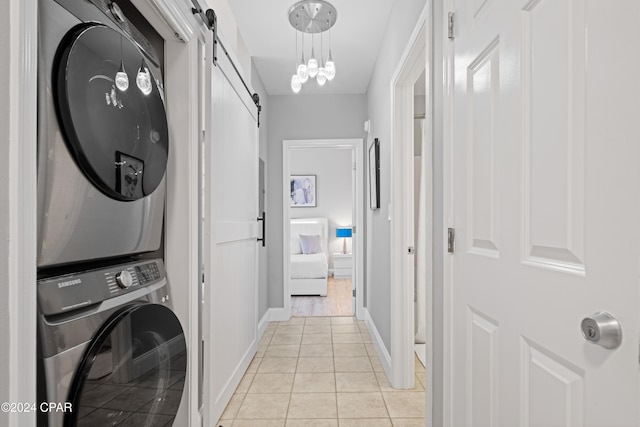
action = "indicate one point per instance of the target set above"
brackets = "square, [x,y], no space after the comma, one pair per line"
[312,17]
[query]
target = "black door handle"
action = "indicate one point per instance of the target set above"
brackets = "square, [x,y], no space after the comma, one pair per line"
[263,239]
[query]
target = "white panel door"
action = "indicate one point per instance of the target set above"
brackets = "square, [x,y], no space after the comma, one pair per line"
[232,272]
[545,176]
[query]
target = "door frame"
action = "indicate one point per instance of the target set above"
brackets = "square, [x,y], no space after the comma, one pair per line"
[416,58]
[20,193]
[448,55]
[355,145]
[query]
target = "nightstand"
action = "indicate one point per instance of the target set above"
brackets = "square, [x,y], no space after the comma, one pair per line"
[342,265]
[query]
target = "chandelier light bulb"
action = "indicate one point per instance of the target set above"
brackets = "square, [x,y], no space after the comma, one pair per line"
[330,68]
[295,83]
[303,73]
[312,67]
[322,76]
[122,80]
[143,79]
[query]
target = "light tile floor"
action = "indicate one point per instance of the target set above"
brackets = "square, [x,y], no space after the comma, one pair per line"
[321,372]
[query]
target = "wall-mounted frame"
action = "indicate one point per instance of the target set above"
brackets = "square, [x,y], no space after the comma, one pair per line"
[374,174]
[303,191]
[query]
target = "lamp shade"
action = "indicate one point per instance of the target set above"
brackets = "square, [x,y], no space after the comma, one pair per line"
[343,232]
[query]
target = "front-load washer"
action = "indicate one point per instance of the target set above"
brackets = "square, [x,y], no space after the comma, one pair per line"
[111,351]
[102,135]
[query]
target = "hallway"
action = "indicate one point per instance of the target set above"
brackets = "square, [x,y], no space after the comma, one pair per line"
[321,371]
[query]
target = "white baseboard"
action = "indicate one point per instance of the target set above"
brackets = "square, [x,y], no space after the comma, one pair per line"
[271,315]
[383,354]
[263,323]
[222,400]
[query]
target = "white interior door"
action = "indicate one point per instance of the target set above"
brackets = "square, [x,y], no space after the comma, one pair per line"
[545,150]
[231,260]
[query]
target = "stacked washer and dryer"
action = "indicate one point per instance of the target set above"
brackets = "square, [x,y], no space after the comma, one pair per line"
[110,347]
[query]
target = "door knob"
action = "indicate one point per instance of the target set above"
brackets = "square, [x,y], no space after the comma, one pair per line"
[602,329]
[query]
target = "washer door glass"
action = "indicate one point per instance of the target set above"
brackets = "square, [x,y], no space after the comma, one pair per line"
[133,371]
[112,112]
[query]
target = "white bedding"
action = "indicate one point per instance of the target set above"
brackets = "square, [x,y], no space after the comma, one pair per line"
[312,266]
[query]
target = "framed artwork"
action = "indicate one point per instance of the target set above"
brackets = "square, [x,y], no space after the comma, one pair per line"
[303,191]
[374,174]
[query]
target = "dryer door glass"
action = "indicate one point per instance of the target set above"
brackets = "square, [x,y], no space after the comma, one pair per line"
[111,111]
[133,371]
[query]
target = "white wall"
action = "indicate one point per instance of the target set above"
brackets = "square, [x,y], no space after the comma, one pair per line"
[402,21]
[332,168]
[302,117]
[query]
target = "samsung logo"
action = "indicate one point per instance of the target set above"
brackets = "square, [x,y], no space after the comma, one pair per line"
[69,283]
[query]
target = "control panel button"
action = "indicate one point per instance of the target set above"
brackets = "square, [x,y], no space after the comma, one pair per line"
[124,279]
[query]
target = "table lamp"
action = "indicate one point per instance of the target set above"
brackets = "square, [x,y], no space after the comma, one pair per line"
[344,232]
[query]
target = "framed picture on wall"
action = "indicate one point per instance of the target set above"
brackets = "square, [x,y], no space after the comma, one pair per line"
[303,191]
[374,174]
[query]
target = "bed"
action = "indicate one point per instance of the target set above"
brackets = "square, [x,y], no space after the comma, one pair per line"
[309,257]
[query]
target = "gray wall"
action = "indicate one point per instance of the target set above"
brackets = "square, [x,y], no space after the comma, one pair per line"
[5,323]
[263,261]
[402,21]
[294,117]
[332,168]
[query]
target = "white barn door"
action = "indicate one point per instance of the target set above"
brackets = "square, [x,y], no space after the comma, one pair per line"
[545,179]
[231,254]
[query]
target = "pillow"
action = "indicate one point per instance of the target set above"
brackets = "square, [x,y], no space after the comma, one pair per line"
[310,244]
[295,246]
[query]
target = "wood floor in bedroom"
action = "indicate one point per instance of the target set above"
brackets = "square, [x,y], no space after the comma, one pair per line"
[321,372]
[336,303]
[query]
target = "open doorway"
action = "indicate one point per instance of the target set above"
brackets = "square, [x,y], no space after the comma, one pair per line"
[412,222]
[323,197]
[420,217]
[321,186]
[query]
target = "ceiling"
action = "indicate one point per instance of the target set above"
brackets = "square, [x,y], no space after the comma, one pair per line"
[355,41]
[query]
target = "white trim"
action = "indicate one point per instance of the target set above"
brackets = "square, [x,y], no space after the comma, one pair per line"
[175,18]
[263,324]
[428,161]
[412,63]
[357,145]
[174,21]
[182,213]
[381,349]
[22,186]
[447,145]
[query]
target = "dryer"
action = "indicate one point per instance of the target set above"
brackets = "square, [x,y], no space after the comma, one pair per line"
[111,350]
[102,135]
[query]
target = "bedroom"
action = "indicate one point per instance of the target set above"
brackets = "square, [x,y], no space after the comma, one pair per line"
[321,186]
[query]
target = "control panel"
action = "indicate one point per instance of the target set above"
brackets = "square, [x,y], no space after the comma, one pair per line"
[73,291]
